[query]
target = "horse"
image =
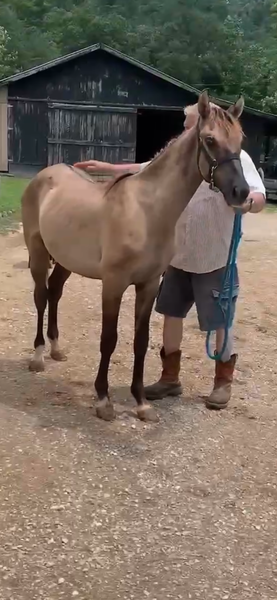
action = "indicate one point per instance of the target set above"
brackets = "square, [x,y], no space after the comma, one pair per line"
[122,232]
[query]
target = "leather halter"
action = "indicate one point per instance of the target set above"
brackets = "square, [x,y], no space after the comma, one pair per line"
[212,162]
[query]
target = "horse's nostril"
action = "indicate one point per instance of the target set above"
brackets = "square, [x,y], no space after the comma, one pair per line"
[240,193]
[244,193]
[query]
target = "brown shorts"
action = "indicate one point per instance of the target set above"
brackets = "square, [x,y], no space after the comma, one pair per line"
[179,290]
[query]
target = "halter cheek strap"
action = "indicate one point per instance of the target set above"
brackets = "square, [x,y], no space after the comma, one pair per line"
[212,162]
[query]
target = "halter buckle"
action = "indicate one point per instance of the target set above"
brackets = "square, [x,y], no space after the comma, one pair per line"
[212,185]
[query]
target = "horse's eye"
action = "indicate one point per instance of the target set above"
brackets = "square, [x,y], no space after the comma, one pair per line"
[209,140]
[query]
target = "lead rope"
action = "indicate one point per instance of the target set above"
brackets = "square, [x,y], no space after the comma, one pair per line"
[227,286]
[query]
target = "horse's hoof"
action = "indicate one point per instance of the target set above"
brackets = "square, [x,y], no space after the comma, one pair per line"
[36,366]
[105,410]
[147,413]
[58,355]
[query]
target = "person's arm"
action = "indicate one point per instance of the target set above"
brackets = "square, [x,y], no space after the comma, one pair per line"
[97,166]
[257,196]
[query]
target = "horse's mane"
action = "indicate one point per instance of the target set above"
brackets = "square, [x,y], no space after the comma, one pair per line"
[166,146]
[225,120]
[119,178]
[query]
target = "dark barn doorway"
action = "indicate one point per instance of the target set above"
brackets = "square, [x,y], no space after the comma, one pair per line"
[154,129]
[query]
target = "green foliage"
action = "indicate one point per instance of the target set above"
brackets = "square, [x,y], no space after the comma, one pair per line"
[11,190]
[226,45]
[8,57]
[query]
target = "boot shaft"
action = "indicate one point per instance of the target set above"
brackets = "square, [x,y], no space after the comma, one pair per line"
[168,384]
[171,365]
[224,371]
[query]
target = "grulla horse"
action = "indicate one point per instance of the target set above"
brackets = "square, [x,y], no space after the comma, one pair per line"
[123,233]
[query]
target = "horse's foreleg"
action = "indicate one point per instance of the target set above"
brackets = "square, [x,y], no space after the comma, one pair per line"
[112,293]
[145,296]
[55,289]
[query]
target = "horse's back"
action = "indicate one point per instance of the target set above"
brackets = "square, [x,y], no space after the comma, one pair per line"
[65,209]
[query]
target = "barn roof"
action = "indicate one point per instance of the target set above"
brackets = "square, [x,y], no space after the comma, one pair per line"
[133,61]
[90,49]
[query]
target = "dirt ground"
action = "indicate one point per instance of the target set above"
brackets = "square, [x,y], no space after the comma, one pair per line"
[183,509]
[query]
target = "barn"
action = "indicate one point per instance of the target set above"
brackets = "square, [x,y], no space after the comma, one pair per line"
[99,103]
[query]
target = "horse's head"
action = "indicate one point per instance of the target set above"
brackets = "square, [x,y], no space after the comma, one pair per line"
[219,145]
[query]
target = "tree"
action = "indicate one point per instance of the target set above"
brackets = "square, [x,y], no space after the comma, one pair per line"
[228,46]
[8,59]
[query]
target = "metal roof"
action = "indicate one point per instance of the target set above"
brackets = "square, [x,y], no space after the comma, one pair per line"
[133,61]
[63,59]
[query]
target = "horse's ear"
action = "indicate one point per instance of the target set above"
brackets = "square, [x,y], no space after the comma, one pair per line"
[236,109]
[204,108]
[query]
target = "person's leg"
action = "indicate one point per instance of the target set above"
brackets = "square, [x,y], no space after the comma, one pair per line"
[224,372]
[174,300]
[220,335]
[172,334]
[212,318]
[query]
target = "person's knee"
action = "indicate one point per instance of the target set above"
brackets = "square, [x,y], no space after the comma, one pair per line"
[174,298]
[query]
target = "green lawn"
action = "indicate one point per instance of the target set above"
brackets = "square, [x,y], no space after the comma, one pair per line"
[11,190]
[271,207]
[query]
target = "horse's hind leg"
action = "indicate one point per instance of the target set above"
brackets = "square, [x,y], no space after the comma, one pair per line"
[55,289]
[39,265]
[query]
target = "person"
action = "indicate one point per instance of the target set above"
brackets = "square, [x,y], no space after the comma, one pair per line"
[195,275]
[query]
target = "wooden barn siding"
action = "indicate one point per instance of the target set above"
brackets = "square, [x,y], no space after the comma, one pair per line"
[4,129]
[28,137]
[34,138]
[96,79]
[100,78]
[255,130]
[80,133]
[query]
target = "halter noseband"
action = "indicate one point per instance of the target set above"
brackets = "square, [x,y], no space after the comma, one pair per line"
[212,162]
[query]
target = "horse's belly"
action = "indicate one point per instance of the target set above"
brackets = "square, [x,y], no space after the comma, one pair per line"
[81,255]
[86,267]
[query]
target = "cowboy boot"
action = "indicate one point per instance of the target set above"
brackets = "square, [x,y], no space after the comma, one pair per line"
[168,384]
[221,394]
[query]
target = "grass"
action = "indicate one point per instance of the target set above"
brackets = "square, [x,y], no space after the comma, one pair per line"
[271,207]
[11,190]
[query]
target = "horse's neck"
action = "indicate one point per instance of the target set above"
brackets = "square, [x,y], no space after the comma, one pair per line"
[173,178]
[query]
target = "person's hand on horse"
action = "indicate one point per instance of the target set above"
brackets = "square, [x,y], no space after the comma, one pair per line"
[94,166]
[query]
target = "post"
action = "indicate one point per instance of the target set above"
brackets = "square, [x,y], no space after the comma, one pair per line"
[4,129]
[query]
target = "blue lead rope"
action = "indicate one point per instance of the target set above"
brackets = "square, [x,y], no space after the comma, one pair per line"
[227,290]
